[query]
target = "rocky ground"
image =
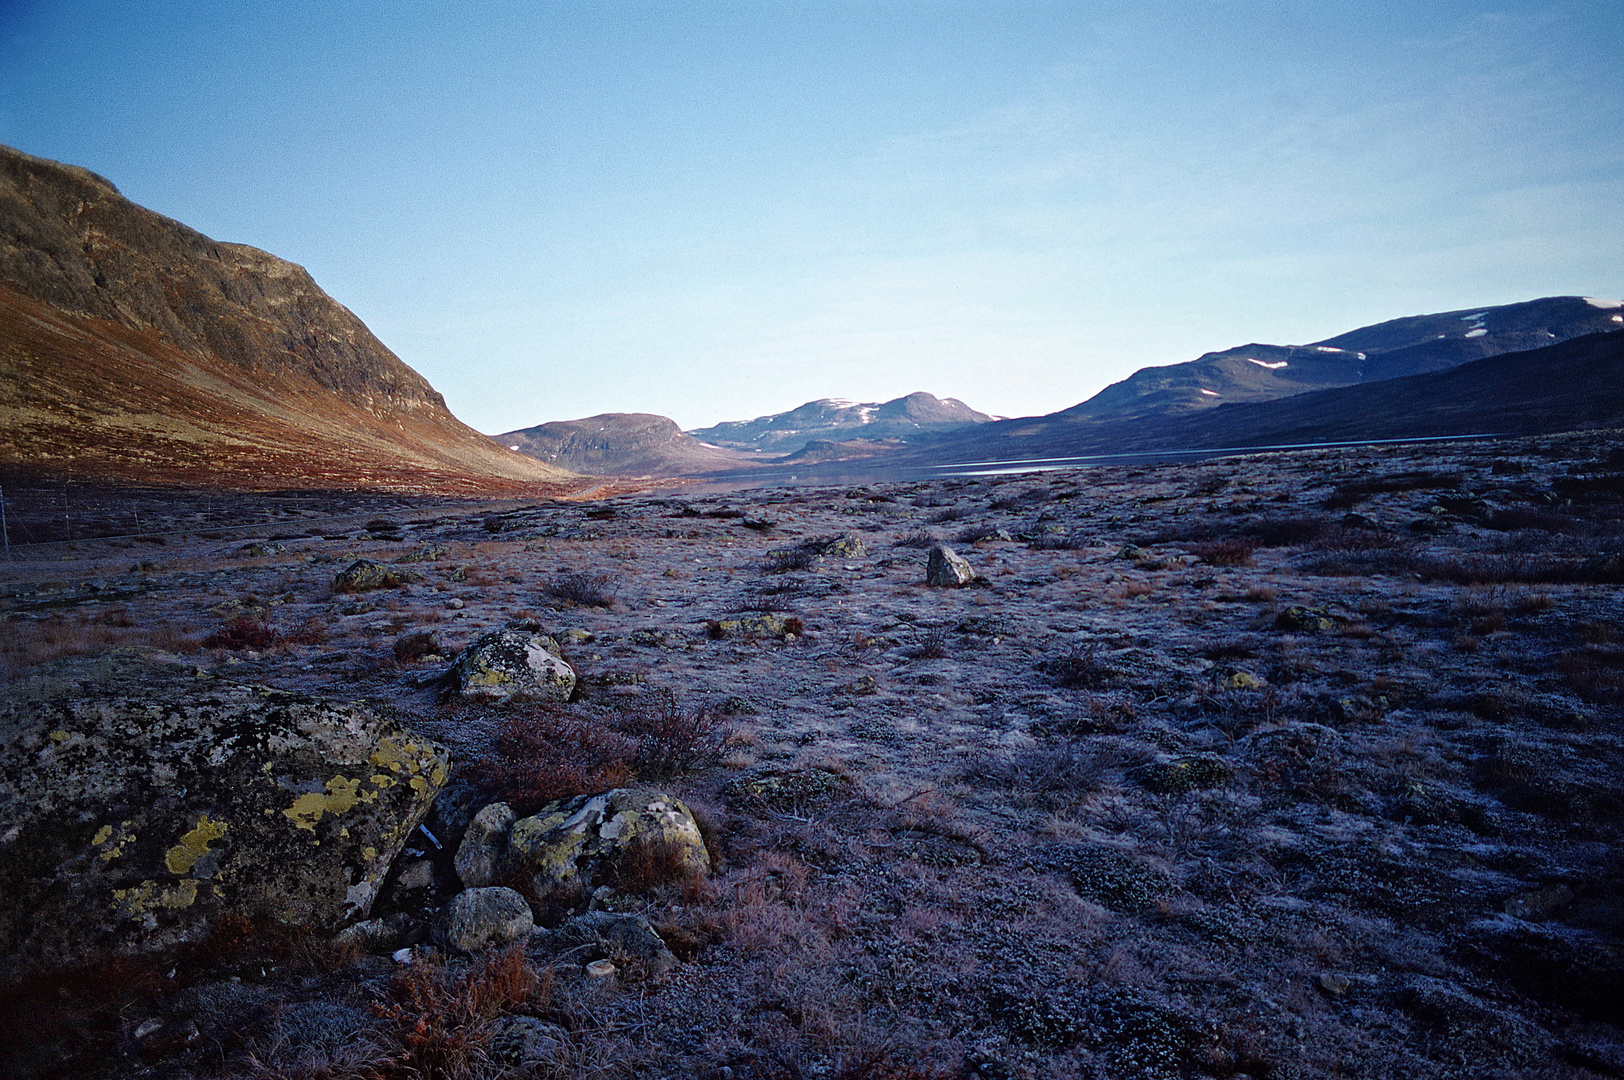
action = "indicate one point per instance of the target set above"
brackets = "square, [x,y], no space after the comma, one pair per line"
[1291,765]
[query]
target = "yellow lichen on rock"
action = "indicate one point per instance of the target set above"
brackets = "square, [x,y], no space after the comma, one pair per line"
[149,895]
[194,845]
[342,794]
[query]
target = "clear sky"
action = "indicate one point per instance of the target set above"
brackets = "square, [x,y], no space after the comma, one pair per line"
[554,208]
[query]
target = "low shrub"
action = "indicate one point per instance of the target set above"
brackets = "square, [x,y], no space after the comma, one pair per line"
[1235,552]
[582,590]
[542,754]
[671,739]
[252,631]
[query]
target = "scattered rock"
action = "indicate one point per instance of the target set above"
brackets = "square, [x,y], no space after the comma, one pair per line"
[478,919]
[788,790]
[629,938]
[1299,619]
[142,802]
[416,646]
[764,624]
[844,546]
[759,524]
[620,837]
[513,665]
[364,575]
[947,569]
[535,1046]
[1537,905]
[1182,774]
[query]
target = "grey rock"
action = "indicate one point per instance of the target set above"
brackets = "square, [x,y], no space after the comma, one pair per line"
[513,665]
[483,845]
[947,569]
[480,918]
[630,938]
[142,802]
[528,1042]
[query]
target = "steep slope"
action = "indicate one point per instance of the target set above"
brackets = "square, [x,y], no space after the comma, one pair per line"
[1388,350]
[133,348]
[837,420]
[1569,386]
[622,444]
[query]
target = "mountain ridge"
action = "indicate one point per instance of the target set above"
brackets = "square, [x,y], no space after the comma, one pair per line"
[135,348]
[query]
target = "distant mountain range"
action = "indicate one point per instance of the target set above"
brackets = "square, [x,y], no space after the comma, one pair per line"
[834,420]
[1390,350]
[135,349]
[1341,388]
[642,444]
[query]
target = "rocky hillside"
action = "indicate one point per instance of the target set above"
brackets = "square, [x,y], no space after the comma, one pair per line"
[135,349]
[1410,346]
[622,444]
[836,420]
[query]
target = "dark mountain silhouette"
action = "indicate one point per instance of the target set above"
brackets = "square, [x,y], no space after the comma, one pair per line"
[1409,346]
[1577,384]
[134,349]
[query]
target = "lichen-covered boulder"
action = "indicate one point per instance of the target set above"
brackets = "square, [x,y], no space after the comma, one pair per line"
[513,665]
[946,568]
[139,802]
[628,837]
[844,546]
[363,575]
[1301,619]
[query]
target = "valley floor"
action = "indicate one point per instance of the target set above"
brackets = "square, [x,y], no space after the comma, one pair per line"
[1293,765]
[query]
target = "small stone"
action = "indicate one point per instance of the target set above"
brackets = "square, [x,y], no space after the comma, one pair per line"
[600,970]
[455,604]
[947,569]
[1133,553]
[1539,904]
[1304,620]
[1334,983]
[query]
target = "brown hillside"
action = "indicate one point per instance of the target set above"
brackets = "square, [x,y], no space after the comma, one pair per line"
[135,349]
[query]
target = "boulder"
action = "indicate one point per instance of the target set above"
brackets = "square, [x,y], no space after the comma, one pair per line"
[629,837]
[513,665]
[1301,619]
[363,575]
[478,919]
[483,844]
[947,568]
[535,1045]
[844,546]
[631,939]
[141,801]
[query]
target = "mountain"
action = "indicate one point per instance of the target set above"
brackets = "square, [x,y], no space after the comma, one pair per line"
[1409,346]
[622,444]
[1567,386]
[134,349]
[832,420]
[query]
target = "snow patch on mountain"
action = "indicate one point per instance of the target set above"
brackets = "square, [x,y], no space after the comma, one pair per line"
[1596,301]
[1276,366]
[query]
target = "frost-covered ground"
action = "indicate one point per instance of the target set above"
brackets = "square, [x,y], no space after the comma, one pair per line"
[1296,765]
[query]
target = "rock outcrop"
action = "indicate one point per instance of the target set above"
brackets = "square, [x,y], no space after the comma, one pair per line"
[946,568]
[141,801]
[142,350]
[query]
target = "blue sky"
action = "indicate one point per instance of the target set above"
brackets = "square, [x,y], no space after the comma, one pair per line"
[717,210]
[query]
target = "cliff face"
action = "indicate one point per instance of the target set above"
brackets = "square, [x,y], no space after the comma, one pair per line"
[135,348]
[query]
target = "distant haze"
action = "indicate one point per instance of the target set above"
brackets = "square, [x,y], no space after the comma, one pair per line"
[715,211]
